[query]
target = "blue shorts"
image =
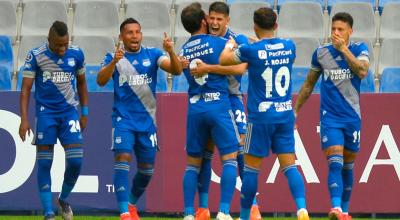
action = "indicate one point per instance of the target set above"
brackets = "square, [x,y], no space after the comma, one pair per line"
[345,134]
[144,144]
[260,138]
[66,128]
[218,125]
[239,113]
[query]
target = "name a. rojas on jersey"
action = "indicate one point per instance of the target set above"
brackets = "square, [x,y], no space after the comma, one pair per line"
[134,80]
[58,77]
[338,74]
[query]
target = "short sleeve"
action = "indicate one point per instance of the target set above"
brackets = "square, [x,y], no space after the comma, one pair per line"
[30,66]
[315,65]
[107,59]
[242,54]
[81,65]
[362,52]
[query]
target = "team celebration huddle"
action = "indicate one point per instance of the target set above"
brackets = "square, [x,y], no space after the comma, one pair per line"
[213,61]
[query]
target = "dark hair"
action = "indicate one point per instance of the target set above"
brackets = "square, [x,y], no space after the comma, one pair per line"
[128,21]
[343,16]
[265,18]
[219,7]
[60,28]
[192,16]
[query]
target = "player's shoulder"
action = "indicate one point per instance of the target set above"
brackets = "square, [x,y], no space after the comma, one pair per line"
[358,44]
[217,38]
[39,50]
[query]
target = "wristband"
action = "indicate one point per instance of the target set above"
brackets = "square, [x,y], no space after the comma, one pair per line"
[85,111]
[229,45]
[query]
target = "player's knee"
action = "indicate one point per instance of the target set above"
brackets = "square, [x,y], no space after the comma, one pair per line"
[349,156]
[252,161]
[194,161]
[122,156]
[229,156]
[335,162]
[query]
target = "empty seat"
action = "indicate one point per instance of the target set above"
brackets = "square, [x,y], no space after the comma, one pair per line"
[96,18]
[116,2]
[305,48]
[66,2]
[180,5]
[390,14]
[162,84]
[38,16]
[179,41]
[389,54]
[390,80]
[153,41]
[382,4]
[320,2]
[153,15]
[5,78]
[180,84]
[91,80]
[28,43]
[271,2]
[6,53]
[370,50]
[301,19]
[368,84]
[94,47]
[333,2]
[363,16]
[241,14]
[8,19]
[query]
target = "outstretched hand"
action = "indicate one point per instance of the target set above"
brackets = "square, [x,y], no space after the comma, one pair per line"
[119,52]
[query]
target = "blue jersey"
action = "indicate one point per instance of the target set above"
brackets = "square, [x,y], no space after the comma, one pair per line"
[135,80]
[340,87]
[235,81]
[210,91]
[55,78]
[270,64]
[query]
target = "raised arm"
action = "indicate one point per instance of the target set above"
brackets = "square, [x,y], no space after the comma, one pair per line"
[306,89]
[106,71]
[228,56]
[173,64]
[203,68]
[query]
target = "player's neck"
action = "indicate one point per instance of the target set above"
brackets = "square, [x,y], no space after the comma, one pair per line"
[266,35]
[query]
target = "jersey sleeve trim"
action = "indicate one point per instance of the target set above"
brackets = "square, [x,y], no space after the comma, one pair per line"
[161,59]
[28,74]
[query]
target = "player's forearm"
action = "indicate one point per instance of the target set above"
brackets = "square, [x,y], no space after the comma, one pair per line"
[175,66]
[24,103]
[82,92]
[357,66]
[105,73]
[227,70]
[303,96]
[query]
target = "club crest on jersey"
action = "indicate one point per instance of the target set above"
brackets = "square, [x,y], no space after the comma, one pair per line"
[262,54]
[146,62]
[40,135]
[71,62]
[29,57]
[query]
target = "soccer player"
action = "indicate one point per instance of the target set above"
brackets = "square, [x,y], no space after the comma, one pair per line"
[133,67]
[55,67]
[218,21]
[209,114]
[271,118]
[342,65]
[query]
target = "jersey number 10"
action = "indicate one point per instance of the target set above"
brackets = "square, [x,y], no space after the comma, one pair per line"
[269,85]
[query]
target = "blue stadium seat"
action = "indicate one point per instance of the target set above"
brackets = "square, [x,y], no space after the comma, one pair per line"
[382,4]
[321,2]
[299,75]
[6,53]
[180,84]
[5,79]
[368,84]
[390,80]
[91,80]
[162,84]
[244,85]
[270,2]
[332,2]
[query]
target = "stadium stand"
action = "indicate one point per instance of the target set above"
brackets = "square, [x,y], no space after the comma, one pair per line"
[372,65]
[162,83]
[49,11]
[5,78]
[154,14]
[333,2]
[179,41]
[91,80]
[179,84]
[389,54]
[96,18]
[8,19]
[6,53]
[94,47]
[321,2]
[27,43]
[299,75]
[239,11]
[368,83]
[363,15]
[153,41]
[390,80]
[389,28]
[305,47]
[382,3]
